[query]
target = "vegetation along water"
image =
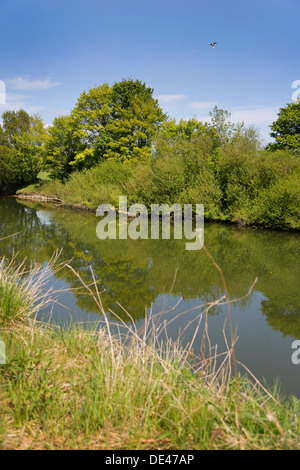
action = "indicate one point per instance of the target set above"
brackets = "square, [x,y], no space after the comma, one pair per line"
[226,311]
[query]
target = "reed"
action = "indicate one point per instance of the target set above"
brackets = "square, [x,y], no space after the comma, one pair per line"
[24,290]
[117,386]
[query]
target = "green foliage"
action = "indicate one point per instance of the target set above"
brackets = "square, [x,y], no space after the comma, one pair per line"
[169,179]
[235,182]
[102,184]
[184,130]
[15,303]
[183,167]
[129,396]
[30,145]
[220,165]
[88,121]
[21,291]
[2,137]
[9,180]
[279,204]
[286,129]
[204,190]
[136,117]
[15,123]
[107,123]
[224,129]
[232,168]
[140,187]
[21,149]
[129,390]
[91,187]
[59,147]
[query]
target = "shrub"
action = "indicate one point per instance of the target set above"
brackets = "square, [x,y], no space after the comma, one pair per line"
[141,187]
[204,190]
[278,206]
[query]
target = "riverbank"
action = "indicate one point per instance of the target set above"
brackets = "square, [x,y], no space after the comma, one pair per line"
[50,200]
[241,188]
[43,196]
[91,389]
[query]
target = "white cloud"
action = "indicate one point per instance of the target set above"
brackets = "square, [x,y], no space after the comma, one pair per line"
[15,102]
[20,83]
[18,100]
[17,97]
[202,105]
[255,116]
[169,98]
[250,115]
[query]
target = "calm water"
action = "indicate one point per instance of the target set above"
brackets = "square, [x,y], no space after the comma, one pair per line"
[139,275]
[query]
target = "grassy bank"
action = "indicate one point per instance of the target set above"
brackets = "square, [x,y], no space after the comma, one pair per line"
[92,389]
[234,183]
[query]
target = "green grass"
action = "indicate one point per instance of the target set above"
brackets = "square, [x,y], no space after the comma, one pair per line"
[23,290]
[44,176]
[77,390]
[92,389]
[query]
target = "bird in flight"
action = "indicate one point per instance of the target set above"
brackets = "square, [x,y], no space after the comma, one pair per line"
[213,44]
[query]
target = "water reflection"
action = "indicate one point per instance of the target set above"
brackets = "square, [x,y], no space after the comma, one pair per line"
[140,273]
[135,273]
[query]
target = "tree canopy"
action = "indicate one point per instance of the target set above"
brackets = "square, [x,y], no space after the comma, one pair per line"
[124,123]
[117,123]
[286,129]
[21,149]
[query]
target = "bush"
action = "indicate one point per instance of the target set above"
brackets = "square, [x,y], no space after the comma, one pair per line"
[270,166]
[278,206]
[141,187]
[235,182]
[169,178]
[102,184]
[204,190]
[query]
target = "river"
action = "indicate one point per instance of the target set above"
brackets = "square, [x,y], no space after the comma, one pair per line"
[154,275]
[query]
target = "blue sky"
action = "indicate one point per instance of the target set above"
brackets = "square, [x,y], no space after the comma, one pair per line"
[52,50]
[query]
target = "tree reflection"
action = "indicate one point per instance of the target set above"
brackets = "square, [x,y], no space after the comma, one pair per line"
[134,273]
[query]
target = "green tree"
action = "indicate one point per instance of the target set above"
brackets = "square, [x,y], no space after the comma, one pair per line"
[2,136]
[87,125]
[15,123]
[30,147]
[185,129]
[8,170]
[60,147]
[225,130]
[136,118]
[21,149]
[286,129]
[117,123]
